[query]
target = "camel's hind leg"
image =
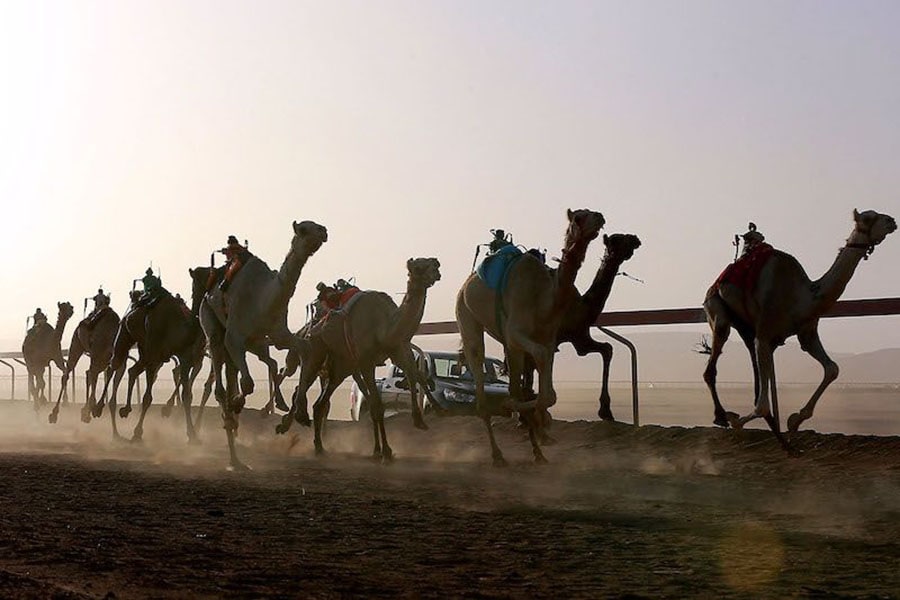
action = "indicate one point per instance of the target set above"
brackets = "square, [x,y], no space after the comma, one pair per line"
[376,407]
[405,360]
[810,342]
[721,329]
[472,335]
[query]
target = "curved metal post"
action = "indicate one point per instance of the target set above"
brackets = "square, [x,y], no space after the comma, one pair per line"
[634,371]
[12,391]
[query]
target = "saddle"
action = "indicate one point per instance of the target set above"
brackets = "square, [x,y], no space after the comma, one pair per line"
[93,319]
[346,301]
[744,272]
[495,267]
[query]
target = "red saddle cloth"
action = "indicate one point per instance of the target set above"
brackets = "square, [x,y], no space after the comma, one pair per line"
[744,272]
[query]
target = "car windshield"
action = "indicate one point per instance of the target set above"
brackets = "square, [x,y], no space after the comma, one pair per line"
[452,368]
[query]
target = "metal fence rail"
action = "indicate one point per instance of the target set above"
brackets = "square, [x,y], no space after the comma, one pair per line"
[870,307]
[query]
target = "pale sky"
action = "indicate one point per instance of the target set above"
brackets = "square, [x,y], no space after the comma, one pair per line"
[139,132]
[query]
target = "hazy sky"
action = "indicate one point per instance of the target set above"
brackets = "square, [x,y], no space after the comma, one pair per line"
[133,132]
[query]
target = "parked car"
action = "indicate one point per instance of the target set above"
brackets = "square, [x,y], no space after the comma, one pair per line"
[451,384]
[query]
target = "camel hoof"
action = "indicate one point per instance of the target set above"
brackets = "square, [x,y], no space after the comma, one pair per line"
[794,422]
[166,411]
[320,451]
[237,404]
[420,424]
[237,466]
[280,404]
[118,438]
[734,421]
[721,421]
[193,440]
[52,417]
[540,460]
[500,462]
[387,458]
[284,426]
[304,420]
[85,416]
[605,414]
[124,412]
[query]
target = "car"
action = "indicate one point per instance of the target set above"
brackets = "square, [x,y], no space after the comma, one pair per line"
[451,387]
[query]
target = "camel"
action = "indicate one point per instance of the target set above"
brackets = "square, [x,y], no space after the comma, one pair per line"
[95,340]
[42,346]
[353,341]
[782,302]
[253,312]
[525,316]
[581,315]
[162,331]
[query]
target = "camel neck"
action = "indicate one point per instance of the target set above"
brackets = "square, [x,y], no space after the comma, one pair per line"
[832,284]
[60,326]
[596,295]
[409,313]
[572,259]
[289,273]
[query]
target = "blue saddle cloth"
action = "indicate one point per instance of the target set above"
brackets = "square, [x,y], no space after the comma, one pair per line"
[494,268]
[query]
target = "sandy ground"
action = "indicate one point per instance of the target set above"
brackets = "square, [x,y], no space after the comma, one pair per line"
[620,512]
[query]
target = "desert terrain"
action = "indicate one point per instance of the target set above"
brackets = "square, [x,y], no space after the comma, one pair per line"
[620,512]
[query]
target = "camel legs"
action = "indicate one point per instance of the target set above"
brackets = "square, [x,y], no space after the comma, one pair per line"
[207,392]
[376,406]
[810,342]
[75,352]
[721,329]
[146,401]
[188,375]
[765,356]
[472,334]
[275,396]
[236,346]
[405,360]
[516,360]
[170,403]
[309,371]
[321,407]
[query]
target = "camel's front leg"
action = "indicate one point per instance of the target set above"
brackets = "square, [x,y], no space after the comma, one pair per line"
[810,342]
[516,359]
[146,401]
[170,403]
[236,346]
[765,356]
[321,408]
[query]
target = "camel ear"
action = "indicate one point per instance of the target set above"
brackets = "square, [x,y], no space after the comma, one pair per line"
[605,238]
[569,213]
[296,227]
[190,272]
[855,215]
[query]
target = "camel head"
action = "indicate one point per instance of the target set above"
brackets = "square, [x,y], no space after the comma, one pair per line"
[200,282]
[134,295]
[584,227]
[871,228]
[65,310]
[621,246]
[425,271]
[308,237]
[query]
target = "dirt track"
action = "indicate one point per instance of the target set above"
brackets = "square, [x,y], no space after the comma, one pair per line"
[619,512]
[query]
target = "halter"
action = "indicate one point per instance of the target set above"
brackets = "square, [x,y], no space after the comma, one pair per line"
[868,248]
